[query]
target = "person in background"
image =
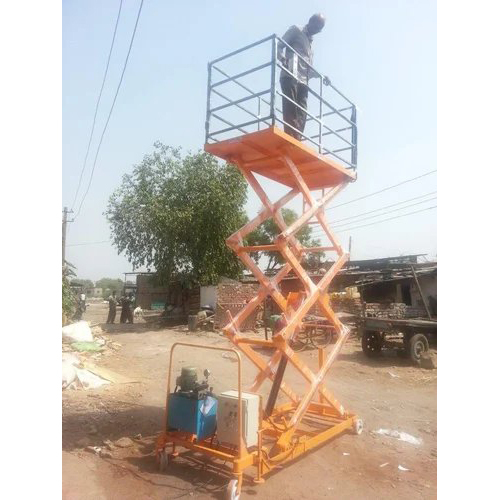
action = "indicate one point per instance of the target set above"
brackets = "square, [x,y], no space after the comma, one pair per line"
[112,308]
[295,87]
[131,298]
[81,307]
[83,301]
[125,303]
[127,313]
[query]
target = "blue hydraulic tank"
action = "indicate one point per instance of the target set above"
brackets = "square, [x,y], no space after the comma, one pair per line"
[197,416]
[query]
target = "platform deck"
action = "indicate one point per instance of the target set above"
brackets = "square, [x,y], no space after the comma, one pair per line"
[262,153]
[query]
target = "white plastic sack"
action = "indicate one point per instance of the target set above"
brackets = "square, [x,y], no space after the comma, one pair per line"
[88,380]
[78,332]
[70,358]
[68,374]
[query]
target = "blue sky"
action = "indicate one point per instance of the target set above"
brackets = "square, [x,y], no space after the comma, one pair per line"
[381,54]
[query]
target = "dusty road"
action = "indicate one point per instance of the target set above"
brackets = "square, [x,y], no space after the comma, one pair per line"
[386,393]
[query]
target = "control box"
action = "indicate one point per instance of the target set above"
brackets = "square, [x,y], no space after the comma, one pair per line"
[227,418]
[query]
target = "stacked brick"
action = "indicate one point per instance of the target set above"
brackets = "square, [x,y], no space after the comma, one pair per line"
[392,310]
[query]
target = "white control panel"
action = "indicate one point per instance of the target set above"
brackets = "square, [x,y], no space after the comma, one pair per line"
[227,418]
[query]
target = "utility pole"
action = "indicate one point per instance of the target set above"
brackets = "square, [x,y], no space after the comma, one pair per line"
[350,243]
[64,226]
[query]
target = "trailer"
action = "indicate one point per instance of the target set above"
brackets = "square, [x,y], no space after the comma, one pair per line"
[411,337]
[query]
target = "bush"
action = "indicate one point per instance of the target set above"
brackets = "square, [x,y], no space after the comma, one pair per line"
[68,299]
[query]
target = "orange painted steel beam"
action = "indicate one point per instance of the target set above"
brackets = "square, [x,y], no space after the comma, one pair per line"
[258,248]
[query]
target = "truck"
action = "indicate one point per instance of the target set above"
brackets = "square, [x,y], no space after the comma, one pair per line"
[411,337]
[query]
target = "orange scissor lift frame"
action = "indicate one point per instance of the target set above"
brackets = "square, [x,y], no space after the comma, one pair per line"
[288,430]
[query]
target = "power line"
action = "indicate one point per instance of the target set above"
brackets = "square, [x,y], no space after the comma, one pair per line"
[88,243]
[381,190]
[382,208]
[97,105]
[334,224]
[112,107]
[388,212]
[384,220]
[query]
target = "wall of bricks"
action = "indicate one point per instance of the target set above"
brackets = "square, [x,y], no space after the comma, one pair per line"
[233,295]
[231,291]
[221,318]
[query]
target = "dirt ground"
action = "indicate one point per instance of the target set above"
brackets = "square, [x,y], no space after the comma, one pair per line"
[386,393]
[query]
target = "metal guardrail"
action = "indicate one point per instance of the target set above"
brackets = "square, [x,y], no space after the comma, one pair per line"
[331,123]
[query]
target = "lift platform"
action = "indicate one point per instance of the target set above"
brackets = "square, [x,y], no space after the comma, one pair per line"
[324,161]
[262,152]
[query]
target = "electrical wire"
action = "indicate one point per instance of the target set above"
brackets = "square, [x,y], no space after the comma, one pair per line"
[112,107]
[97,104]
[381,190]
[382,208]
[384,220]
[388,212]
[334,226]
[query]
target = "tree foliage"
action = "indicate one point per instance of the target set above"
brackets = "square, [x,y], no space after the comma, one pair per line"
[174,213]
[109,285]
[85,284]
[68,297]
[266,233]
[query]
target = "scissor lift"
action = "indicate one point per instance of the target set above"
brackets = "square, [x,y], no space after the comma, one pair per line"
[300,424]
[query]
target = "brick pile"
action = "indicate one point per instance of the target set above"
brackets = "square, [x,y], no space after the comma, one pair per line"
[393,310]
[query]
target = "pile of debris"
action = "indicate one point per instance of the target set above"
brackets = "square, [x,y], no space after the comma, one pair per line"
[91,341]
[76,376]
[203,320]
[80,345]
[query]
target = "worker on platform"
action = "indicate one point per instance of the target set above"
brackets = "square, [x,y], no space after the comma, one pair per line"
[112,308]
[295,87]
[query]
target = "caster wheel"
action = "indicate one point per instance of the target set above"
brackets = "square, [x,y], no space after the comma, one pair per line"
[357,428]
[163,463]
[232,490]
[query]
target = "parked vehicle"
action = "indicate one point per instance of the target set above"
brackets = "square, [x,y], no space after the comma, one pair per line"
[411,337]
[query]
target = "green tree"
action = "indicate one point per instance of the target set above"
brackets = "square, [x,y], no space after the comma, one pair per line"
[109,285]
[86,284]
[68,297]
[173,214]
[266,233]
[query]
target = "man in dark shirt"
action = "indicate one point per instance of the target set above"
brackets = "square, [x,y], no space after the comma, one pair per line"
[127,314]
[295,87]
[112,308]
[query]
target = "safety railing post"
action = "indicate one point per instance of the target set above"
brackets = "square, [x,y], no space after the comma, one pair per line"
[320,115]
[258,114]
[274,58]
[209,91]
[354,138]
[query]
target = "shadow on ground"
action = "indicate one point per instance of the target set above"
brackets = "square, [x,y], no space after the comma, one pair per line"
[118,328]
[189,474]
[103,422]
[384,359]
